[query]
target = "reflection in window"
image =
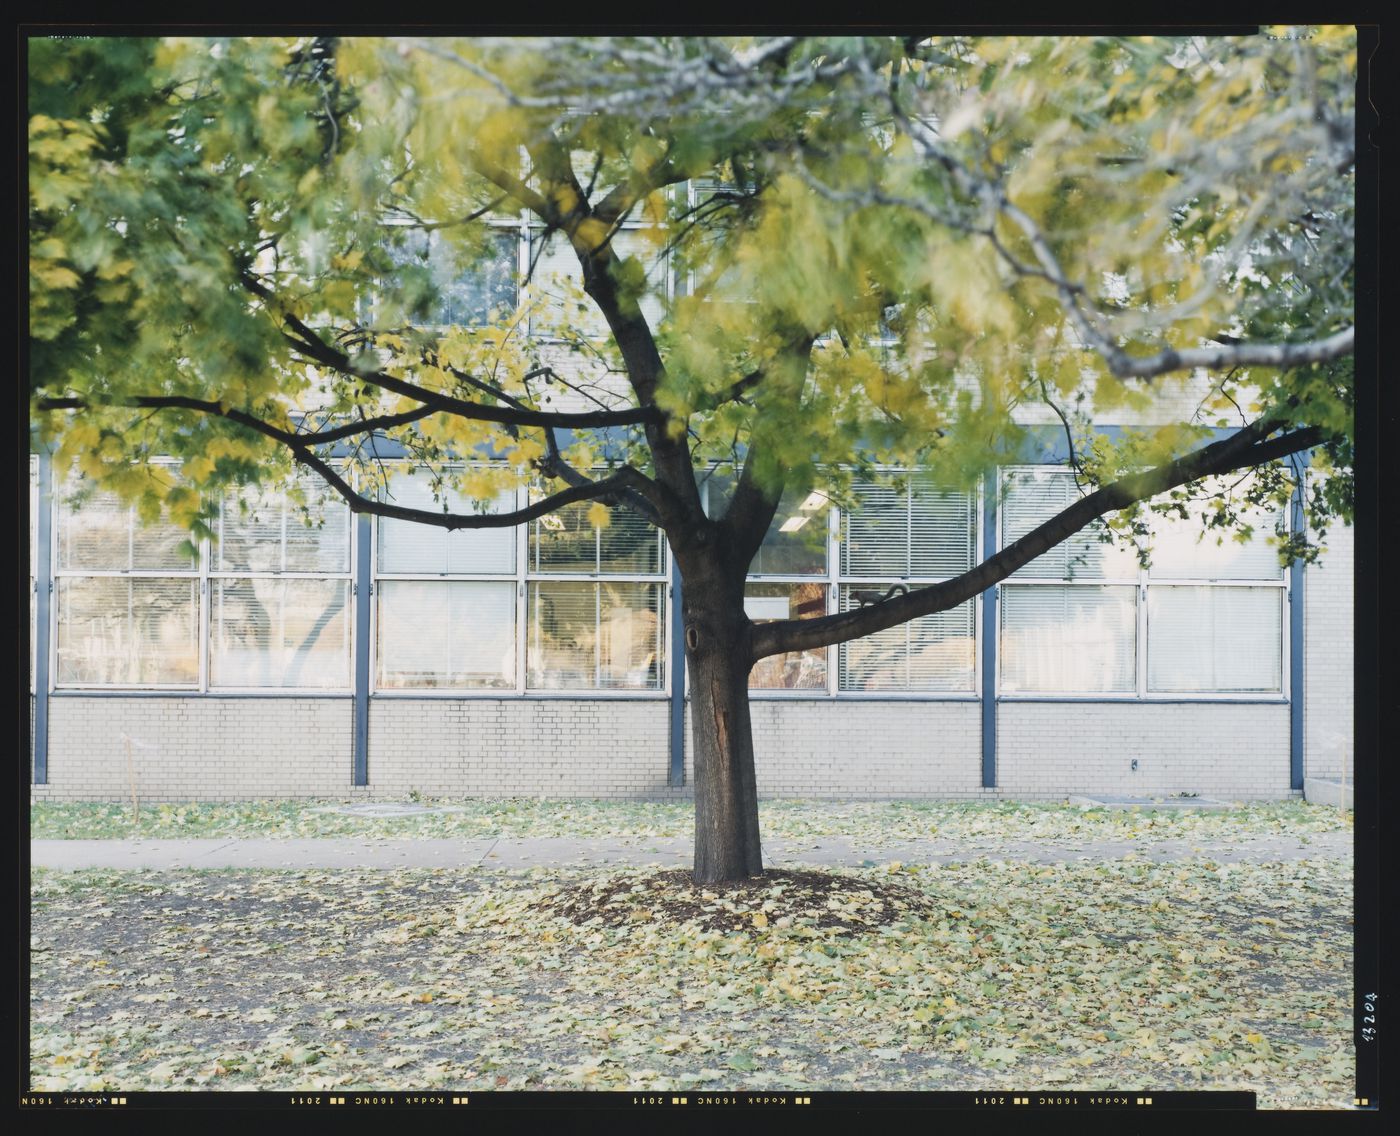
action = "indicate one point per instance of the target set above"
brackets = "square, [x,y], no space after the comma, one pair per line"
[567,542]
[793,670]
[285,632]
[1078,630]
[1071,638]
[933,652]
[128,630]
[469,291]
[127,595]
[446,635]
[911,533]
[603,635]
[280,612]
[443,630]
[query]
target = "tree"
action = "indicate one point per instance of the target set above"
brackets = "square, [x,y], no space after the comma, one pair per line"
[898,246]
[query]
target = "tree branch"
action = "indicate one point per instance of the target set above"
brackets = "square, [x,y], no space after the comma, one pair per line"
[309,343]
[593,490]
[1242,450]
[316,438]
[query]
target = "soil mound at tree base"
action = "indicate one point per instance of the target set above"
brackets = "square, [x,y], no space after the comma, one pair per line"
[850,904]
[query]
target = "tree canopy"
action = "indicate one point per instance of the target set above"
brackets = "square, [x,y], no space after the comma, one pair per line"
[802,257]
[896,244]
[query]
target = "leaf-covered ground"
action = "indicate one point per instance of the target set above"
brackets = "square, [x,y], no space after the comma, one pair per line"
[1118,974]
[879,822]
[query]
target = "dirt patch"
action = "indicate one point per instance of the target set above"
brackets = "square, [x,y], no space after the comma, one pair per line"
[777,899]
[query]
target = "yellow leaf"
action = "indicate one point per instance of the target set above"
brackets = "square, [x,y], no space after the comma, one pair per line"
[759,919]
[599,515]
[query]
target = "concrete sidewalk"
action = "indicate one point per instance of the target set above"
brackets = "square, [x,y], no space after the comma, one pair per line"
[674,852]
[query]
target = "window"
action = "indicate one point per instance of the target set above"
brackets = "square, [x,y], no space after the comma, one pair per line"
[912,535]
[560,604]
[596,602]
[909,534]
[127,596]
[1214,609]
[265,605]
[470,292]
[280,592]
[556,283]
[1085,618]
[446,610]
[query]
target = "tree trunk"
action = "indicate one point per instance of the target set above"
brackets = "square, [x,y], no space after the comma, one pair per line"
[726,799]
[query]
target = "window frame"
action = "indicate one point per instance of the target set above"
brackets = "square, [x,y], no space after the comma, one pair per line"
[515,227]
[205,576]
[530,285]
[848,580]
[521,577]
[1141,581]
[833,579]
[213,575]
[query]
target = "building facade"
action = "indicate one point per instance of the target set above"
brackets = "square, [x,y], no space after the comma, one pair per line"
[352,657]
[355,657]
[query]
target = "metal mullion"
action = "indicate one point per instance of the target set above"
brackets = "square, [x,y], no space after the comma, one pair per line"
[205,644]
[141,574]
[522,572]
[224,574]
[1186,582]
[834,517]
[1140,629]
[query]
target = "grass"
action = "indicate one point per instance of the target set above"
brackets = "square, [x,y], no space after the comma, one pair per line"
[1081,976]
[969,823]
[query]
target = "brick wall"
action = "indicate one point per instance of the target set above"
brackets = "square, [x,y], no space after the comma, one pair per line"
[198,748]
[532,747]
[859,749]
[1328,644]
[1227,750]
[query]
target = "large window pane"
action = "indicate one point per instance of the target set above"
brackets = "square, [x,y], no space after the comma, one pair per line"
[1188,550]
[1214,639]
[1068,639]
[934,652]
[792,670]
[263,531]
[128,630]
[909,531]
[279,633]
[446,635]
[556,280]
[1032,498]
[410,548]
[629,545]
[471,291]
[99,532]
[595,635]
[566,541]
[796,541]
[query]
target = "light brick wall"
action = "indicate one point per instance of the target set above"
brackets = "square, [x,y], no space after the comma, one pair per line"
[228,749]
[198,748]
[531,747]
[851,749]
[1328,645]
[1230,751]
